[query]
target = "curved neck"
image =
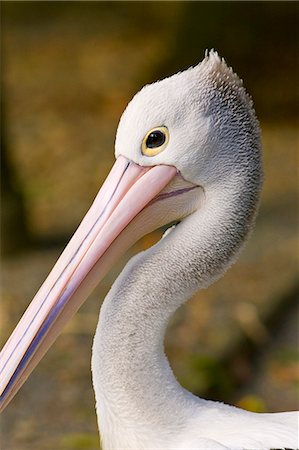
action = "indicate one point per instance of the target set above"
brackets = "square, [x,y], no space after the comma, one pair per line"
[132,378]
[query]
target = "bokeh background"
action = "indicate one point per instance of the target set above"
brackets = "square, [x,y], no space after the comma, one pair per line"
[68,71]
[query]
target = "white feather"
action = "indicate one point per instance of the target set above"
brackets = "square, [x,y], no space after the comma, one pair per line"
[215,143]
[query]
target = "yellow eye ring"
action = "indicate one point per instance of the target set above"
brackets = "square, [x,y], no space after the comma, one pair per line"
[155,141]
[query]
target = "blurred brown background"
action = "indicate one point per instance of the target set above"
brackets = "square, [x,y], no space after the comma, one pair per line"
[68,71]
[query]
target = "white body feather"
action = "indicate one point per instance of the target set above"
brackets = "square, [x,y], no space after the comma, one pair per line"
[214,143]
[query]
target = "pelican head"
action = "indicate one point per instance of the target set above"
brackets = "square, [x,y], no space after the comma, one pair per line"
[208,121]
[179,141]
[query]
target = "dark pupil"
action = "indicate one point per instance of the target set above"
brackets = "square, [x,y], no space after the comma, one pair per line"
[155,139]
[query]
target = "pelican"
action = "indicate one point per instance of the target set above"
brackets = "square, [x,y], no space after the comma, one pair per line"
[188,151]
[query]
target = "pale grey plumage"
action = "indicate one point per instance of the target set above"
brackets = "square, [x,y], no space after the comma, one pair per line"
[215,143]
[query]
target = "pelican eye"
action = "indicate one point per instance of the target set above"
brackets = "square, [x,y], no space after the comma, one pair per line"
[155,141]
